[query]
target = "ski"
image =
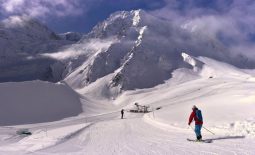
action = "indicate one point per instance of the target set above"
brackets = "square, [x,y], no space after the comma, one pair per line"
[201,141]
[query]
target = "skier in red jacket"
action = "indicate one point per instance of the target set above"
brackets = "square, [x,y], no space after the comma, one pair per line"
[197,116]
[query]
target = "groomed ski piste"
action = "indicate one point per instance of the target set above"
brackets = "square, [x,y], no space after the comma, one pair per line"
[225,95]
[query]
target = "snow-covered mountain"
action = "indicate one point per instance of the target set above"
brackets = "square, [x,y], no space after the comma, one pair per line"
[22,39]
[139,51]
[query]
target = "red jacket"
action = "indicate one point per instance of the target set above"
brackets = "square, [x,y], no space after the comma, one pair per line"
[193,116]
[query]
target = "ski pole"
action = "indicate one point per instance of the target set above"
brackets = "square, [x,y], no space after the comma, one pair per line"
[209,131]
[191,127]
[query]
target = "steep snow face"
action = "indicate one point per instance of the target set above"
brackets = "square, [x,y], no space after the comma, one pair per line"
[36,101]
[117,24]
[120,35]
[147,65]
[21,40]
[98,59]
[128,28]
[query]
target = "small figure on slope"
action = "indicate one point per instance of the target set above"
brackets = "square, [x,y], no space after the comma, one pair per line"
[197,116]
[122,113]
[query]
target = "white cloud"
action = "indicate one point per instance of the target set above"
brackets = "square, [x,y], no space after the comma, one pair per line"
[234,21]
[13,21]
[11,5]
[91,47]
[41,8]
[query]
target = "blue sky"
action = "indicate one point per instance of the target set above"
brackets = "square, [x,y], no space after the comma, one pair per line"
[99,12]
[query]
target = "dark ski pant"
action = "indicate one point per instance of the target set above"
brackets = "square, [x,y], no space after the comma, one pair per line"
[122,115]
[198,131]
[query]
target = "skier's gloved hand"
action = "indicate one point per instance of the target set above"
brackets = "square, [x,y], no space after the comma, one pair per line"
[189,124]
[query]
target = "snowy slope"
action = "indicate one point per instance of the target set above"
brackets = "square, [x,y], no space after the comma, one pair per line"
[35,102]
[226,100]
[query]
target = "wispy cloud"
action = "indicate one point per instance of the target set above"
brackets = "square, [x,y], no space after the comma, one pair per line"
[41,8]
[87,49]
[84,13]
[230,21]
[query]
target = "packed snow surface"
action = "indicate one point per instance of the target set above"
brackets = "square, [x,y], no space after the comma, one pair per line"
[227,102]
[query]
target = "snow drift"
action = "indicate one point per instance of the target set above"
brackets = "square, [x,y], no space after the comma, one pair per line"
[36,101]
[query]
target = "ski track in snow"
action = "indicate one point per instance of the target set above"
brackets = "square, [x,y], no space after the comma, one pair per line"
[138,135]
[127,137]
[162,132]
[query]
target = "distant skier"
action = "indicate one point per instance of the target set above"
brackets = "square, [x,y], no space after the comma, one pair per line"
[122,113]
[197,116]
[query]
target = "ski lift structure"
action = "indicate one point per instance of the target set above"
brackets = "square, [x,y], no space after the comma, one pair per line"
[140,108]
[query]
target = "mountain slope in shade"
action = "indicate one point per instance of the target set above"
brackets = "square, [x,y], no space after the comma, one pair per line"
[22,39]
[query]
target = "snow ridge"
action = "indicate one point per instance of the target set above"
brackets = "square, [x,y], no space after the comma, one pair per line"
[195,63]
[136,18]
